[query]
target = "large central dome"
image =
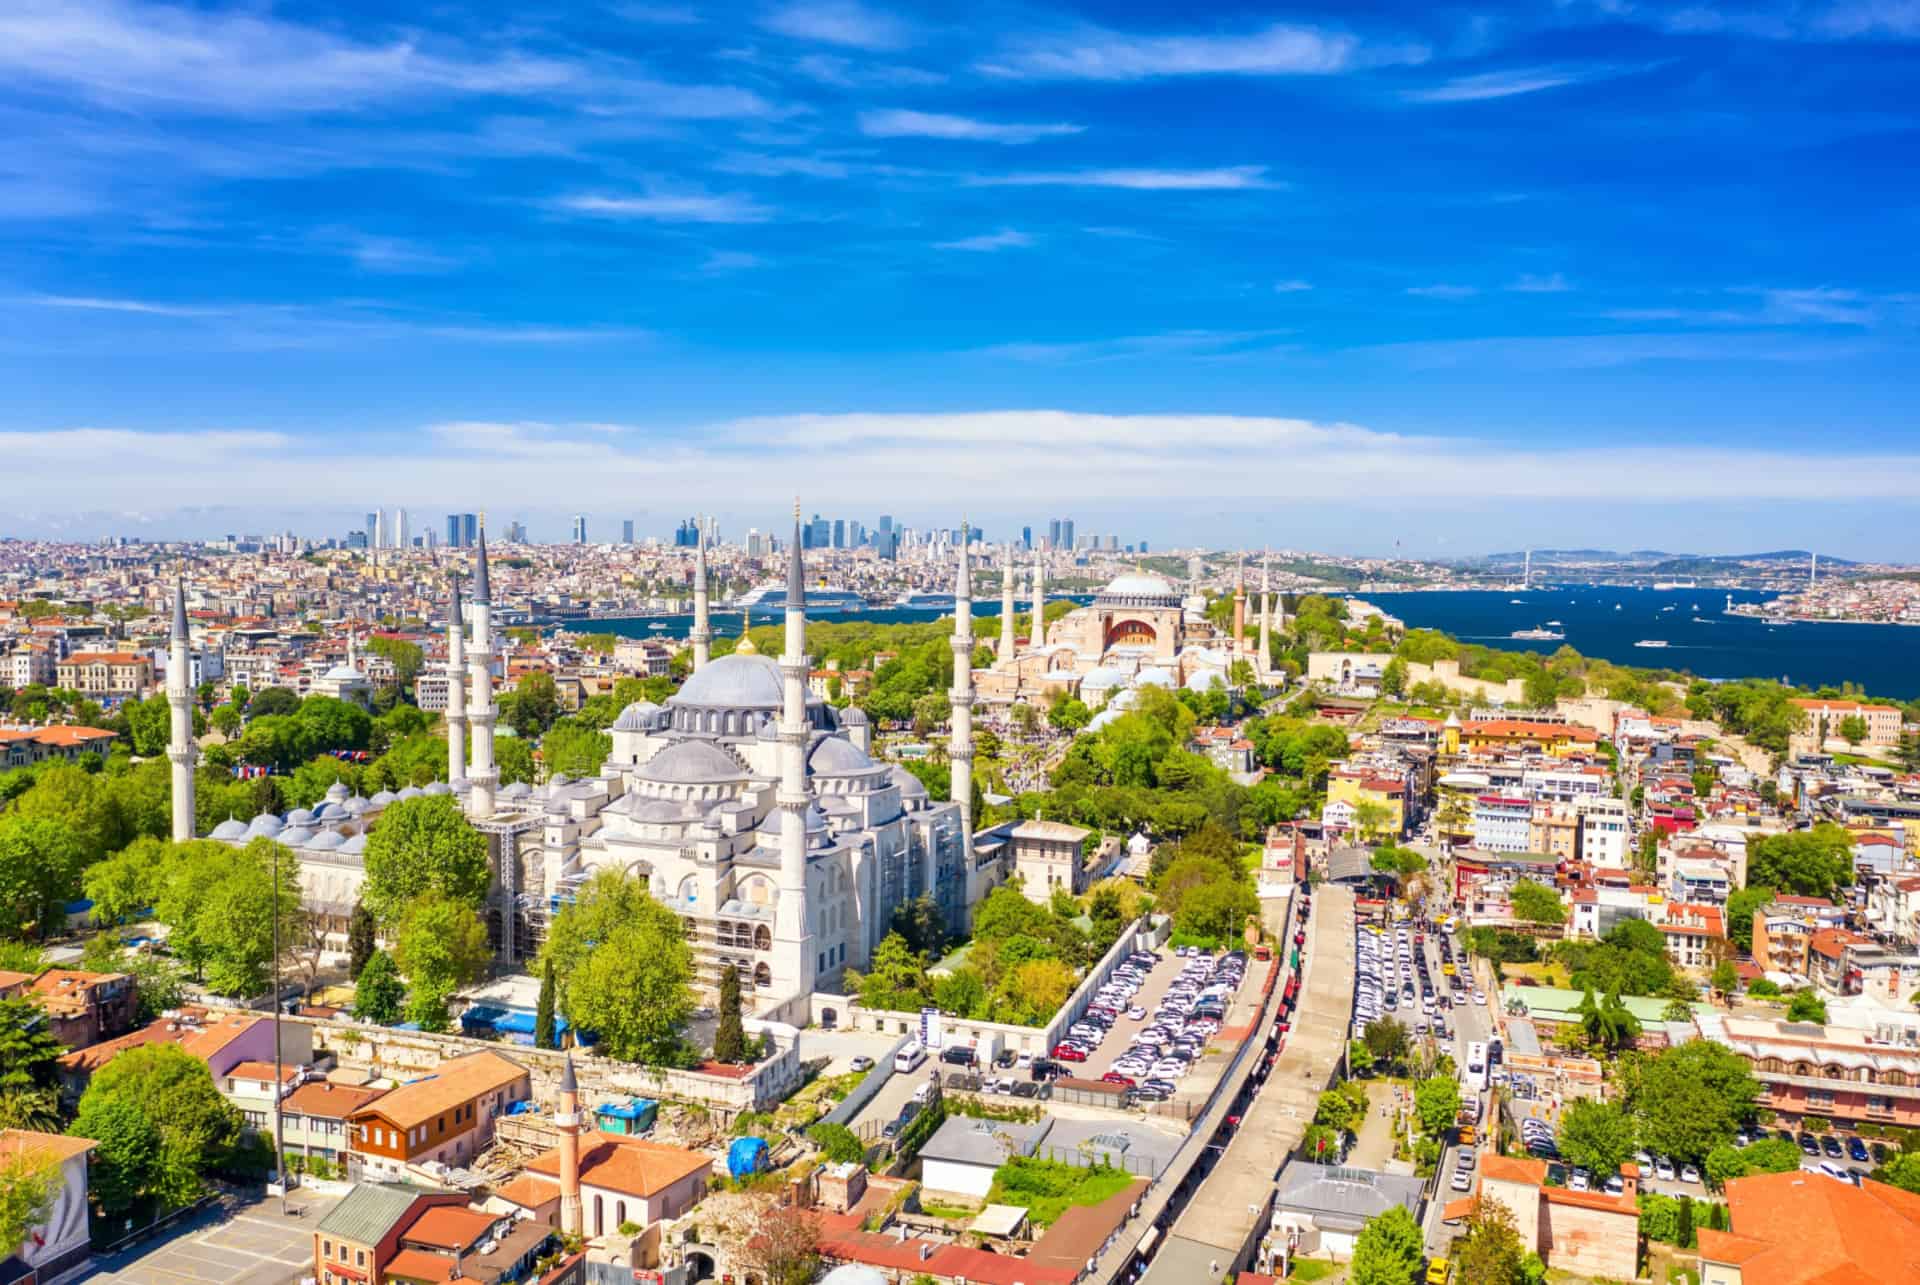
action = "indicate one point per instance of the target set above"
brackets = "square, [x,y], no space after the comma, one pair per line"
[732,682]
[1137,588]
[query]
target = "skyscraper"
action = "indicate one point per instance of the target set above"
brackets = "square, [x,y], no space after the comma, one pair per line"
[626,531]
[1026,539]
[468,524]
[839,533]
[402,538]
[1066,533]
[579,528]
[373,526]
[453,531]
[1053,534]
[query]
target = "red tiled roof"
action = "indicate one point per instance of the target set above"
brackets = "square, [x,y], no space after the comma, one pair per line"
[631,1165]
[1816,1231]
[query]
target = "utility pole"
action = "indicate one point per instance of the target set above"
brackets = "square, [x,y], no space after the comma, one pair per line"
[279,1081]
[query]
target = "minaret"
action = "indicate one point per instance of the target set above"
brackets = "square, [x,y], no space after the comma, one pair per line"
[180,748]
[794,965]
[480,707]
[960,722]
[1007,643]
[456,686]
[700,636]
[1039,599]
[1239,604]
[1266,615]
[567,1122]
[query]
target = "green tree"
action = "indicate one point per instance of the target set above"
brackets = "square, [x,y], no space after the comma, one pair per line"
[1902,1170]
[1724,979]
[361,939]
[730,1036]
[441,947]
[1692,1098]
[624,968]
[41,860]
[1740,908]
[379,992]
[1600,1136]
[129,881]
[922,924]
[1538,904]
[1853,729]
[124,1166]
[1490,1253]
[28,1186]
[1609,1024]
[1390,1250]
[423,845]
[175,1091]
[532,706]
[575,749]
[839,1144]
[1436,1099]
[1069,715]
[1806,1006]
[543,1024]
[1808,863]
[513,757]
[149,724]
[1393,679]
[234,924]
[1387,1040]
[28,1052]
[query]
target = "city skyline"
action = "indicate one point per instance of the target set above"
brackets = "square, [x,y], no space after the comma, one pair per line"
[1359,279]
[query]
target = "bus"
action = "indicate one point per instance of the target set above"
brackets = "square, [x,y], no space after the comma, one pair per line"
[1474,1075]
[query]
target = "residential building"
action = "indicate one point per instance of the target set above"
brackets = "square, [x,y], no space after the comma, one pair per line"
[106,676]
[357,1240]
[1050,856]
[1844,1074]
[442,1243]
[61,1248]
[1503,823]
[1321,1209]
[1824,718]
[1783,932]
[24,746]
[446,1118]
[315,1115]
[85,1008]
[1798,1228]
[1370,794]
[1557,740]
[1704,880]
[1554,831]
[1696,935]
[1605,837]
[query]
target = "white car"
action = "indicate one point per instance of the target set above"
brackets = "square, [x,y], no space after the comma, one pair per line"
[1480,998]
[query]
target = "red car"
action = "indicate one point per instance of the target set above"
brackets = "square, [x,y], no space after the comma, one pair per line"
[1114,1077]
[1068,1053]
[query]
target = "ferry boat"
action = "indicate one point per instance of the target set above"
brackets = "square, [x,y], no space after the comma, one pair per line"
[1652,642]
[820,601]
[922,599]
[1675,584]
[1537,635]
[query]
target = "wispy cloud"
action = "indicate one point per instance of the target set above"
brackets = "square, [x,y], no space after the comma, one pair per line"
[664,15]
[765,165]
[389,254]
[1228,178]
[1168,343]
[1004,239]
[1786,307]
[1294,286]
[666,206]
[139,307]
[1612,351]
[844,73]
[1510,83]
[1279,50]
[912,124]
[1772,20]
[1531,283]
[838,22]
[1443,291]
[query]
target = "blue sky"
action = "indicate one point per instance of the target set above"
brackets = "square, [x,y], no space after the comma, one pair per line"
[1443,277]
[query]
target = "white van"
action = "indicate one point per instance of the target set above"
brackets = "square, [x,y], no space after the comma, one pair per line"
[910,1057]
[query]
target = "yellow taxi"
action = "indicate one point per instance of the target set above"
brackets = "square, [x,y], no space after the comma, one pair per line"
[1447,970]
[1439,1272]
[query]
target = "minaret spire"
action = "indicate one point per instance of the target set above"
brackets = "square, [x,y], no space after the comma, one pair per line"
[480,707]
[1007,640]
[567,1121]
[456,685]
[180,747]
[1039,638]
[1266,615]
[700,637]
[795,966]
[1239,602]
[960,722]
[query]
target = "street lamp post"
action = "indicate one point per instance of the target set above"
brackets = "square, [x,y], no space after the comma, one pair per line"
[279,1082]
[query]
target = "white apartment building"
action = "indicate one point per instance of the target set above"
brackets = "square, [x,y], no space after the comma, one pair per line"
[1605,837]
[1502,823]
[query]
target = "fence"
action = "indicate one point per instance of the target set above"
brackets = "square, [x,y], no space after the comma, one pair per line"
[855,1102]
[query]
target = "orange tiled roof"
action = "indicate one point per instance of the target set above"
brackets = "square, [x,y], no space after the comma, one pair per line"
[529,1191]
[1513,1169]
[419,1265]
[634,1166]
[458,1081]
[30,1142]
[1817,1231]
[328,1101]
[449,1227]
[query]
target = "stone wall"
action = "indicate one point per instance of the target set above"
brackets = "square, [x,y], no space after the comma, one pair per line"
[1593,1243]
[380,1051]
[1326,667]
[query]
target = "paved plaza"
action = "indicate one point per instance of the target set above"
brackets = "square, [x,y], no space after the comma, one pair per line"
[239,1241]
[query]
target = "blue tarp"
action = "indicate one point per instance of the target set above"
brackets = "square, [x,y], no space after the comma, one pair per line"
[746,1156]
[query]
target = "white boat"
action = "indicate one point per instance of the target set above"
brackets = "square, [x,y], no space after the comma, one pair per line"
[1651,642]
[924,599]
[1675,584]
[1616,606]
[1779,621]
[820,600]
[658,624]
[1537,635]
[1553,624]
[1518,602]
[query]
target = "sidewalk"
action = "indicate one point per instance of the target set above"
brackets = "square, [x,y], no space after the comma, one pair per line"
[1374,1150]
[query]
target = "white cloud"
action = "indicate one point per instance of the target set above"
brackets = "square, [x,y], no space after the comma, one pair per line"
[1228,178]
[1443,291]
[912,124]
[1194,343]
[1004,239]
[1509,84]
[668,207]
[762,165]
[838,22]
[396,255]
[912,458]
[831,69]
[89,303]
[1291,287]
[1279,50]
[1531,283]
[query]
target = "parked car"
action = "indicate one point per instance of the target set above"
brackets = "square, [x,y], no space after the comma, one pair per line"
[862,1063]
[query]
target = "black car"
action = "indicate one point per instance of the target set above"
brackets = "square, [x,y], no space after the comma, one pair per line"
[958,1055]
[1831,1146]
[1809,1144]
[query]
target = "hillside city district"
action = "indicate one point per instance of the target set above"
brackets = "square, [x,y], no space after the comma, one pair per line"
[1202,927]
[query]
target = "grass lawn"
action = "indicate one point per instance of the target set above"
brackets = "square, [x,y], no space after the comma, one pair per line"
[1048,1188]
[934,1209]
[1310,1269]
[1546,973]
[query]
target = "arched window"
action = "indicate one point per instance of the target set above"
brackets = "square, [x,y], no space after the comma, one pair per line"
[762,939]
[599,1227]
[762,975]
[619,1213]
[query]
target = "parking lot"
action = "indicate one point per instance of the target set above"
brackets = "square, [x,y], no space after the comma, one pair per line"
[1167,968]
[237,1242]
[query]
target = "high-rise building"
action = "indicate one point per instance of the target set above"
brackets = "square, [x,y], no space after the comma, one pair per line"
[839,533]
[469,527]
[1026,539]
[453,531]
[1113,542]
[822,533]
[1066,533]
[1143,546]
[402,537]
[373,528]
[579,528]
[516,533]
[1053,534]
[886,524]
[626,531]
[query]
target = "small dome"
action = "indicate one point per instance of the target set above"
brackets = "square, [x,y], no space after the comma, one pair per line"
[330,812]
[637,717]
[355,844]
[411,792]
[1205,680]
[909,785]
[383,798]
[326,839]
[518,790]
[356,806]
[434,788]
[230,829]
[559,779]
[338,792]
[1154,678]
[266,823]
[659,811]
[557,808]
[300,816]
[853,716]
[692,763]
[295,836]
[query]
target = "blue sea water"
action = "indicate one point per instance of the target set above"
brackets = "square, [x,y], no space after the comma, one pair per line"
[1606,622]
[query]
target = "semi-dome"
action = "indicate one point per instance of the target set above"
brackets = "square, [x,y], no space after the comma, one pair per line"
[837,756]
[907,783]
[733,682]
[692,763]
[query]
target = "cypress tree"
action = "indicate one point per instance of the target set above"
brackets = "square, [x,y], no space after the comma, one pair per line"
[1683,1235]
[730,1037]
[359,939]
[543,1036]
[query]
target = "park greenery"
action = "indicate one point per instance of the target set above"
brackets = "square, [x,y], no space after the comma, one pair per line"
[623,969]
